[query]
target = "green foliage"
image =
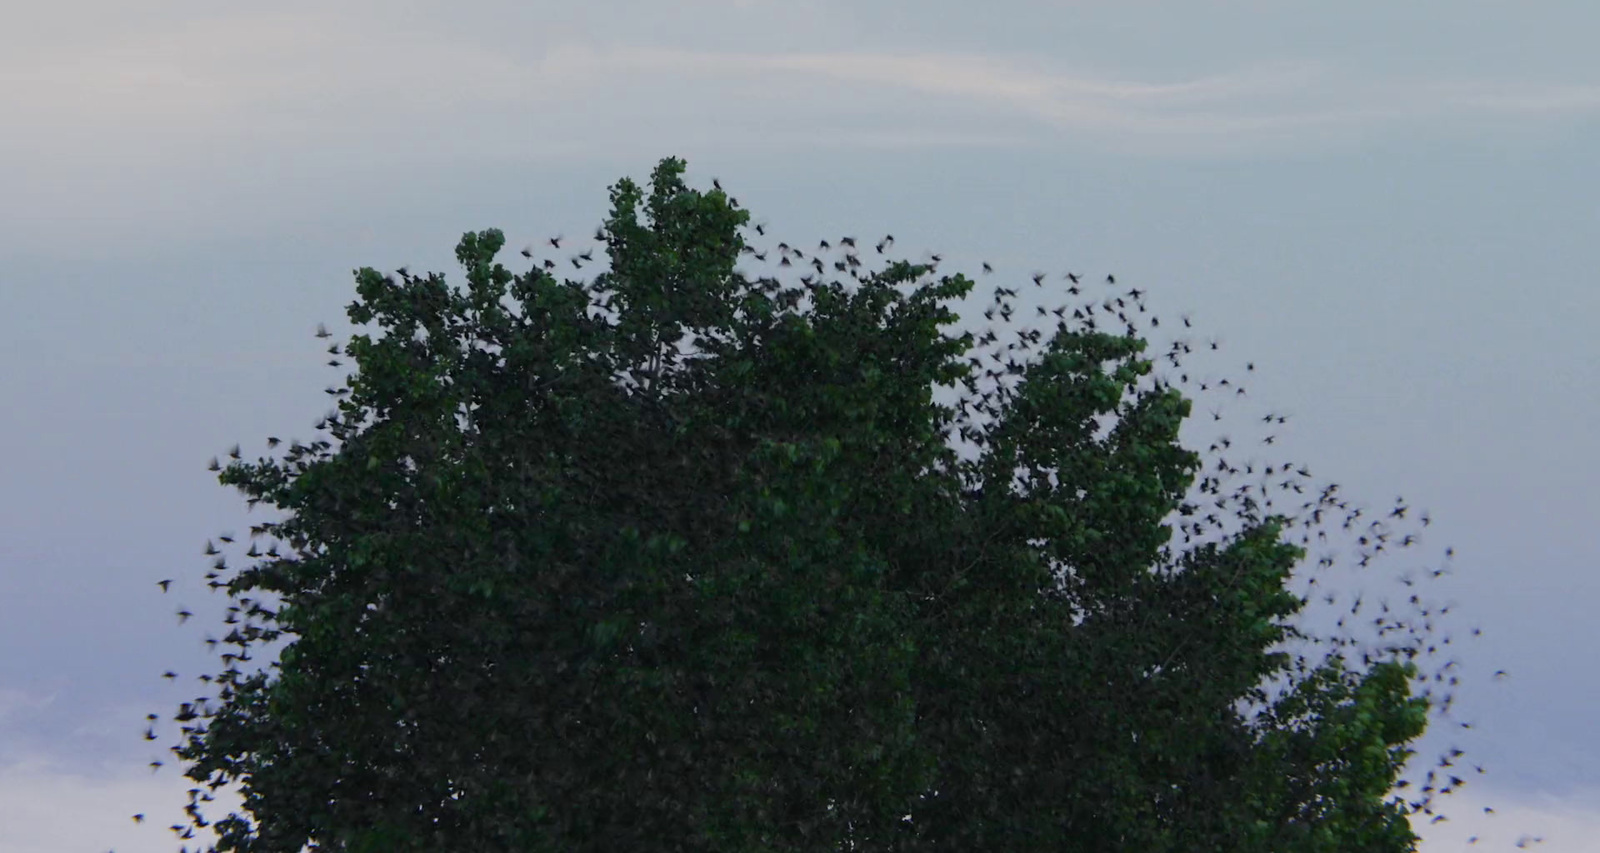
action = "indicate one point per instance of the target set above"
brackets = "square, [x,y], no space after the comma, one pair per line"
[561,585]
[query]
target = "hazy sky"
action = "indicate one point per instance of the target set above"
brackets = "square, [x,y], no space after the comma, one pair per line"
[1389,207]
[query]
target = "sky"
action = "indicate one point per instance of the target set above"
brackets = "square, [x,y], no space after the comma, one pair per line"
[1387,207]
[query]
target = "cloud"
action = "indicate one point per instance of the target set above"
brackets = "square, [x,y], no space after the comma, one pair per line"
[132,130]
[46,807]
[311,79]
[15,702]
[1568,824]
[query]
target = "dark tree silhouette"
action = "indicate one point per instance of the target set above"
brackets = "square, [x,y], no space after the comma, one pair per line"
[683,558]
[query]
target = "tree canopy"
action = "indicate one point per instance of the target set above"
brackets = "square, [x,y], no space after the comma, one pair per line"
[681,558]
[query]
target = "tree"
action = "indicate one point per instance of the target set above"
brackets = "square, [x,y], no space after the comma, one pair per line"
[681,559]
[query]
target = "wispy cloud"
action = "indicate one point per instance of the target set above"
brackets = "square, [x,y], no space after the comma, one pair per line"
[316,78]
[1542,823]
[47,806]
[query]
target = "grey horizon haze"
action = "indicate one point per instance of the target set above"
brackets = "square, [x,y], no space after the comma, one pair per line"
[1390,209]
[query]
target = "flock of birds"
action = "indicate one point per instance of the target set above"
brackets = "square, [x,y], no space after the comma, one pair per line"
[1244,479]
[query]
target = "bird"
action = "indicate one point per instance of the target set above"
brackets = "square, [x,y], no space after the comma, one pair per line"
[164,584]
[987,268]
[322,331]
[138,818]
[556,241]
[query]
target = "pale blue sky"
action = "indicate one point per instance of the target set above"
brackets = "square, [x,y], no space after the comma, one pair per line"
[1389,207]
